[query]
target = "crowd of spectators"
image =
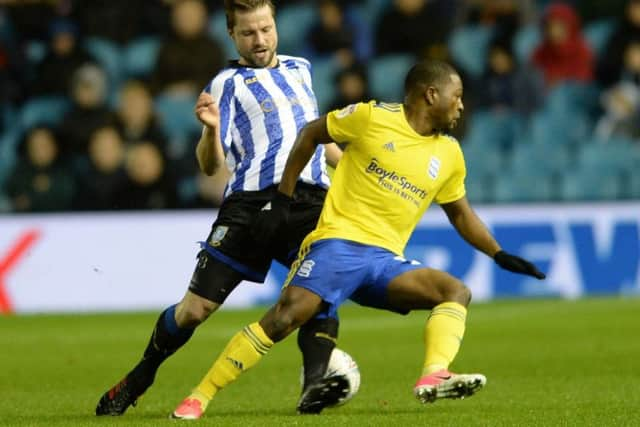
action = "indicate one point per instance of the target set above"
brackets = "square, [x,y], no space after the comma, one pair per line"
[97,96]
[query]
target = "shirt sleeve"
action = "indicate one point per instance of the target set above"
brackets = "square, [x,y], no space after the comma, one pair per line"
[349,123]
[453,188]
[222,90]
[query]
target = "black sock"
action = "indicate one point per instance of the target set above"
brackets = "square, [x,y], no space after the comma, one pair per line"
[165,340]
[316,340]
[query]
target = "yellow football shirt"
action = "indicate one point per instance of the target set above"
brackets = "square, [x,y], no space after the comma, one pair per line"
[387,177]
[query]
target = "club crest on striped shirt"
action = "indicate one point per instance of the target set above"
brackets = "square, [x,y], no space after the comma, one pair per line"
[434,167]
[218,234]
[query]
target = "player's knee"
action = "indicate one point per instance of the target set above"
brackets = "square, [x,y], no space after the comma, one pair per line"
[194,313]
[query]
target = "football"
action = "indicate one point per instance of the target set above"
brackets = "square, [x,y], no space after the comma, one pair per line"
[341,363]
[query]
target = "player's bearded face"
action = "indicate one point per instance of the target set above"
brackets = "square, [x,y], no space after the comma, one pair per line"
[256,37]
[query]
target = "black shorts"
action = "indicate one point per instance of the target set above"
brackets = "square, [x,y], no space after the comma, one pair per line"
[231,253]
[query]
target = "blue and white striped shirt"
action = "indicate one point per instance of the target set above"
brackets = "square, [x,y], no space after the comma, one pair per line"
[261,112]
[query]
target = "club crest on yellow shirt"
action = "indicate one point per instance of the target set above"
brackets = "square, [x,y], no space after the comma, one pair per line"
[434,167]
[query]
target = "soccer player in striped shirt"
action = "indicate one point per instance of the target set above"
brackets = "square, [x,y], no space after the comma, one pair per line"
[397,161]
[251,112]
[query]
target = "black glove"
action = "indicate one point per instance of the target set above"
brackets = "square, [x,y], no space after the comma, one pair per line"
[272,216]
[517,265]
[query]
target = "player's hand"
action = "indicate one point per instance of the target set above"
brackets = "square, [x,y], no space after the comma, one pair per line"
[516,264]
[271,217]
[207,111]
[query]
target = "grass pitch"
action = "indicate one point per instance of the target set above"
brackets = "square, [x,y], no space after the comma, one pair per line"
[548,363]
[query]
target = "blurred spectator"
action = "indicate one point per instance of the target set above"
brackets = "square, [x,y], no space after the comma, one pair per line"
[40,181]
[148,183]
[627,30]
[338,32]
[104,174]
[592,10]
[65,55]
[621,103]
[563,53]
[353,87]
[136,118]
[210,189]
[120,21]
[412,26]
[188,57]
[506,87]
[89,111]
[505,16]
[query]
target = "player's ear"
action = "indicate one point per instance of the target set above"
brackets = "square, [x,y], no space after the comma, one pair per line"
[431,95]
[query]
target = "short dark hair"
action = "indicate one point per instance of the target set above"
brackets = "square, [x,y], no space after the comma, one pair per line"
[428,72]
[233,6]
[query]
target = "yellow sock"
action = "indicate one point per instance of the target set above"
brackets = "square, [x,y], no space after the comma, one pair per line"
[442,335]
[244,350]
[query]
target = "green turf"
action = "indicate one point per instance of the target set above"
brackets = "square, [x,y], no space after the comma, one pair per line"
[548,363]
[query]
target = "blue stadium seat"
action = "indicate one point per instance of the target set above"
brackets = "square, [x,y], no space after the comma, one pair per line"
[176,115]
[524,43]
[552,129]
[109,56]
[543,159]
[569,96]
[524,186]
[218,30]
[589,184]
[323,71]
[480,188]
[632,185]
[386,76]
[47,110]
[293,23]
[8,153]
[139,56]
[482,159]
[468,47]
[597,34]
[493,129]
[615,156]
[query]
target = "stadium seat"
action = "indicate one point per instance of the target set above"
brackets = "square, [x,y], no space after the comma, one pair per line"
[524,43]
[552,129]
[386,76]
[536,158]
[632,185]
[8,153]
[588,184]
[615,155]
[176,115]
[524,186]
[480,187]
[372,10]
[109,56]
[139,56]
[597,34]
[323,71]
[293,23]
[570,96]
[47,110]
[498,130]
[482,159]
[468,46]
[35,51]
[218,30]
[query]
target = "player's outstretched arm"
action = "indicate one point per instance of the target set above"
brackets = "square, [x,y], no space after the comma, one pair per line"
[209,150]
[473,230]
[314,133]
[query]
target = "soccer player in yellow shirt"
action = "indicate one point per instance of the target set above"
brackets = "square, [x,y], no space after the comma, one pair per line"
[397,160]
